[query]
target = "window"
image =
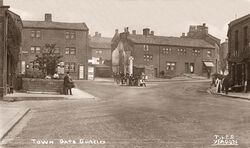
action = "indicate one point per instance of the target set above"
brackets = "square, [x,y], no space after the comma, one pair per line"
[67,35]
[148,57]
[35,34]
[98,51]
[38,34]
[181,51]
[186,67]
[69,67]
[196,52]
[32,49]
[66,50]
[72,67]
[35,49]
[38,49]
[171,66]
[166,50]
[209,53]
[70,35]
[72,50]
[66,67]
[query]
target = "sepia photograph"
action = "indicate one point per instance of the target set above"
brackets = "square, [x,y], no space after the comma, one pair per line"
[124,73]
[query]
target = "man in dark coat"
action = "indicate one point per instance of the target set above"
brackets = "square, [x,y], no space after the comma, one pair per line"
[226,83]
[66,84]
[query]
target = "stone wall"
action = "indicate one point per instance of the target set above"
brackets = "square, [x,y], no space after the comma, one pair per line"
[42,85]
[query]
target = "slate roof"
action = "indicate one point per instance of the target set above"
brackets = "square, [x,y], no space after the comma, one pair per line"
[55,25]
[234,22]
[100,42]
[171,41]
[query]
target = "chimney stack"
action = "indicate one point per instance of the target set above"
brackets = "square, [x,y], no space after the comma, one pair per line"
[1,3]
[96,34]
[134,32]
[146,31]
[183,34]
[126,29]
[48,17]
[99,35]
[152,33]
[116,31]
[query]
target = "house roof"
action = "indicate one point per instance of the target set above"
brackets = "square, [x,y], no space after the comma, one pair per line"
[100,42]
[171,41]
[54,25]
[234,22]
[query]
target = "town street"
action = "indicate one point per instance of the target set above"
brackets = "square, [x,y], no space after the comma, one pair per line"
[164,114]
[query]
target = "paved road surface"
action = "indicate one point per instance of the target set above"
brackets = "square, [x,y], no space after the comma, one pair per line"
[176,114]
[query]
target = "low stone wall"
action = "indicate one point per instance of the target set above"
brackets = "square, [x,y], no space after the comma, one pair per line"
[42,85]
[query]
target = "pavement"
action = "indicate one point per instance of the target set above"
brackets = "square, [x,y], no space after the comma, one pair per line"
[19,96]
[230,94]
[10,116]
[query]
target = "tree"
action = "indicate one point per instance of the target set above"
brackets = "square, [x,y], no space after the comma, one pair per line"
[48,61]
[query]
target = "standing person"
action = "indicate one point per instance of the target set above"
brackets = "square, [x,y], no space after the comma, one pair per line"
[218,85]
[68,84]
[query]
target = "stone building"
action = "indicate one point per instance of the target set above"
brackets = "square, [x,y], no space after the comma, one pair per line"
[71,40]
[10,40]
[100,48]
[239,52]
[159,56]
[201,32]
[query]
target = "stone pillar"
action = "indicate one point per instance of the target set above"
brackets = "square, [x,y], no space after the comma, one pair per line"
[131,59]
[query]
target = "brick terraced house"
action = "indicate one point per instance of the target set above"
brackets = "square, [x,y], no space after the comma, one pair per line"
[71,40]
[161,55]
[239,52]
[10,41]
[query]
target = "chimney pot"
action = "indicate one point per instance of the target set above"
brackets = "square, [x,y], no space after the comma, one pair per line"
[48,17]
[204,24]
[152,33]
[146,31]
[134,32]
[96,33]
[183,34]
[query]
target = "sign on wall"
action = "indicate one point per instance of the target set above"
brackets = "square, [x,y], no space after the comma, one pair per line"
[81,72]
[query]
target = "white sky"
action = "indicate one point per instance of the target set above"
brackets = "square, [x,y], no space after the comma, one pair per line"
[165,17]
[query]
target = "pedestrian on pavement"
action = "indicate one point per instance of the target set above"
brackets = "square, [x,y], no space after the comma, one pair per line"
[68,84]
[218,85]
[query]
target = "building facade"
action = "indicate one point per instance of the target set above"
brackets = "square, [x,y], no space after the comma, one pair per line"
[70,39]
[10,40]
[223,53]
[239,52]
[201,32]
[100,48]
[159,56]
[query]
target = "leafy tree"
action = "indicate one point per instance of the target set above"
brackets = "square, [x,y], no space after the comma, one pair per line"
[48,61]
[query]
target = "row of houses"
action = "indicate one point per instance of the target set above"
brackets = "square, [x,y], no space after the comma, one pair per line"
[195,53]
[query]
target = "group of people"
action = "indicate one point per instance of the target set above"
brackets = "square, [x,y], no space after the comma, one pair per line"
[130,80]
[222,83]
